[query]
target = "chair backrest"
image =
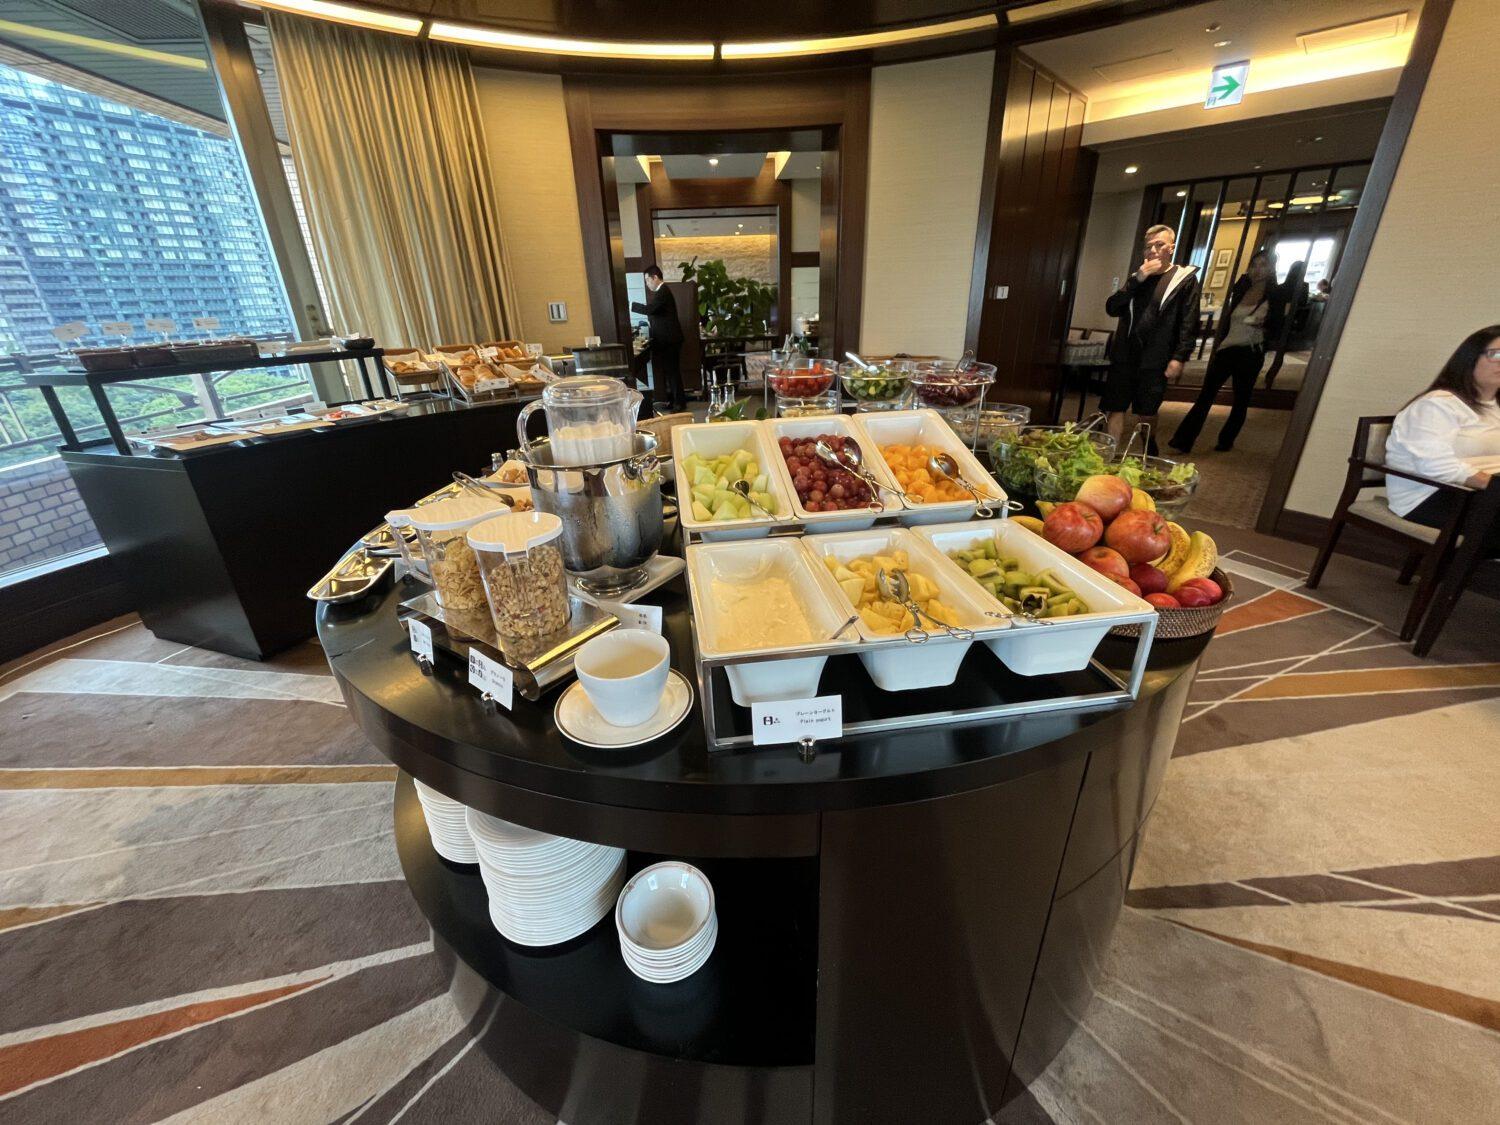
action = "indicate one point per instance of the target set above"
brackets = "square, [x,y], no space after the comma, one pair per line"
[1370,436]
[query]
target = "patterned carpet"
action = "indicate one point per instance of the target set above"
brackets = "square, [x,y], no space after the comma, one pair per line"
[202,917]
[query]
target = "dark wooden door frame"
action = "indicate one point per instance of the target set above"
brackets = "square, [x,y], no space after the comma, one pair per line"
[835,102]
[1356,254]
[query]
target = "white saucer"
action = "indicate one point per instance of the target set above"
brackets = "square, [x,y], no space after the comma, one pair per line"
[576,717]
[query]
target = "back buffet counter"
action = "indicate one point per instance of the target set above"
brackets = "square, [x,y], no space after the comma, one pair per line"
[815,799]
[219,545]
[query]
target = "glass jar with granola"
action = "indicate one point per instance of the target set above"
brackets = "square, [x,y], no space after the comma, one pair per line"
[520,559]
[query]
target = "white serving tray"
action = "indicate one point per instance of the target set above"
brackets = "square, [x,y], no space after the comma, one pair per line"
[853,519]
[1049,645]
[896,664]
[714,439]
[928,427]
[768,680]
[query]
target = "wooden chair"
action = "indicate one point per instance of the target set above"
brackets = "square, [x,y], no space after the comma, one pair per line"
[1363,503]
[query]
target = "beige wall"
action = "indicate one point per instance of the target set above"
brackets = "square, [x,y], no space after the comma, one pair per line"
[1108,244]
[532,166]
[927,134]
[1434,270]
[744,255]
[807,214]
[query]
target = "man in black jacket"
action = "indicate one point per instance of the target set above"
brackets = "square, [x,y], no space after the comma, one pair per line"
[666,340]
[1158,311]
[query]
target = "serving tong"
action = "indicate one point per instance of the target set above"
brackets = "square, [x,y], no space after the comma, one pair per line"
[479,488]
[851,460]
[894,586]
[945,466]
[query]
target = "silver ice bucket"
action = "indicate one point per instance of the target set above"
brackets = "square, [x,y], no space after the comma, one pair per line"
[611,512]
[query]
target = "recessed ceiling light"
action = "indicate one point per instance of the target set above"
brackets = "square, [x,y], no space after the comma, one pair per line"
[1223,42]
[1180,194]
[713,161]
[1211,28]
[1132,169]
[791,47]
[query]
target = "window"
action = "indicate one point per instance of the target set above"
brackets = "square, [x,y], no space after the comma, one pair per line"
[60,220]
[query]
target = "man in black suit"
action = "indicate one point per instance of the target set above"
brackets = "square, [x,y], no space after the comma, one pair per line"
[1159,313]
[666,340]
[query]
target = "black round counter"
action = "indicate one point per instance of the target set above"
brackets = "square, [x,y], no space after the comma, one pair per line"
[909,922]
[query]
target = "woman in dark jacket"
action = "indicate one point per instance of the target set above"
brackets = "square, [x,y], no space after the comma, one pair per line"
[1253,313]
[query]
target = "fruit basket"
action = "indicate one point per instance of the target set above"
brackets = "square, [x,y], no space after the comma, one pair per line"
[801,377]
[886,387]
[1187,621]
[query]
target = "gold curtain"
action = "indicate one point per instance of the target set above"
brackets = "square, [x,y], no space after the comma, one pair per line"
[390,153]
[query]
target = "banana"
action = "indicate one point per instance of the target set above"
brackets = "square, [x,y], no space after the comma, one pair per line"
[1202,557]
[1177,553]
[1030,523]
[1140,501]
[1045,507]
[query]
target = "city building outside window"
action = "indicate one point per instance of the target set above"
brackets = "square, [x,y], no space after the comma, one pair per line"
[112,213]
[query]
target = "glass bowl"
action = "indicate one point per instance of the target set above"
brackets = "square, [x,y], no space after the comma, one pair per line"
[1153,476]
[999,419]
[1019,458]
[885,388]
[810,407]
[801,377]
[942,384]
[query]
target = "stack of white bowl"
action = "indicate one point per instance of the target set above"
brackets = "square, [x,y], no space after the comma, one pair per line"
[543,889]
[447,824]
[667,922]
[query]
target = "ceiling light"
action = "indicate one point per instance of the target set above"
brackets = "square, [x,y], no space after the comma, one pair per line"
[1275,206]
[1132,169]
[552,45]
[788,47]
[109,46]
[713,161]
[1223,42]
[1211,28]
[1305,200]
[345,13]
[1049,8]
[1181,194]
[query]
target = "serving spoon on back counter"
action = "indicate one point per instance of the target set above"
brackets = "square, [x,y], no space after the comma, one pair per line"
[944,465]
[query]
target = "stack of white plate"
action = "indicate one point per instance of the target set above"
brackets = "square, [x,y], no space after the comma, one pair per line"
[667,922]
[543,889]
[447,825]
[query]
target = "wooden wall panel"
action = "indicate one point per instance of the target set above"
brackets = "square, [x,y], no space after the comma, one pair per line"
[1034,203]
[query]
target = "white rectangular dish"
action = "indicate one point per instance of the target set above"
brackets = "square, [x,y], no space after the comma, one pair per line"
[900,665]
[740,565]
[853,519]
[927,427]
[716,439]
[1051,645]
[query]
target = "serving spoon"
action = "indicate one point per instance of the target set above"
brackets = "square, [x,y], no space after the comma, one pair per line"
[944,465]
[894,586]
[743,488]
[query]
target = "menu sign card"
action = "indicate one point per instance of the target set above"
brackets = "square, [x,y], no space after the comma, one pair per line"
[491,677]
[792,720]
[637,616]
[421,639]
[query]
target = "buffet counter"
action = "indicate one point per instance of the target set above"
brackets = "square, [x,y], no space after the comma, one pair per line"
[219,546]
[906,918]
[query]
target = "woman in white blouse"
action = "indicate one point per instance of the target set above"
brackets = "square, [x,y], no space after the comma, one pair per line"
[1449,433]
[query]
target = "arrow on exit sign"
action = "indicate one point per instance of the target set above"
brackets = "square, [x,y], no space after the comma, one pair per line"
[1226,86]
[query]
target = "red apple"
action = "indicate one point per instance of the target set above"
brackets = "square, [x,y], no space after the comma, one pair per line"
[1107,495]
[1148,578]
[1192,597]
[1128,584]
[1208,586]
[1163,601]
[1106,561]
[1074,527]
[1139,536]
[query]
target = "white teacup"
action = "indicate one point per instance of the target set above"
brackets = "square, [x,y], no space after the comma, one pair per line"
[624,674]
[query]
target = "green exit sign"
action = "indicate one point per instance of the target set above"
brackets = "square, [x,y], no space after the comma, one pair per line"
[1227,84]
